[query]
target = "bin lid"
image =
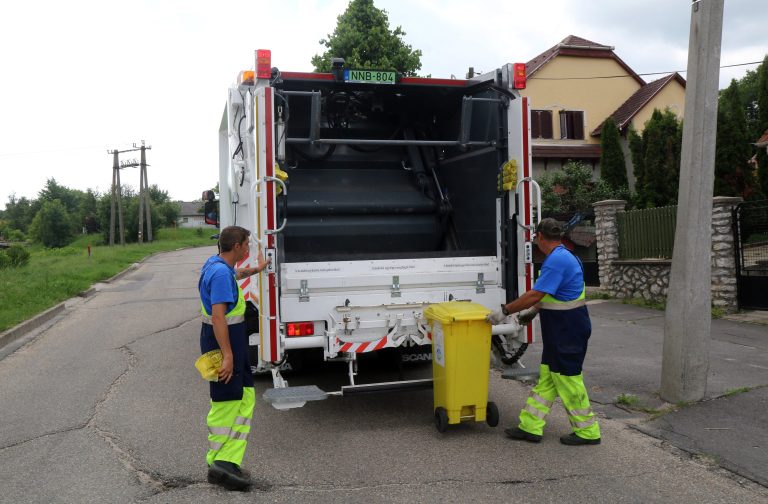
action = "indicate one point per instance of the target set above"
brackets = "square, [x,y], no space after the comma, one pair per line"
[456,311]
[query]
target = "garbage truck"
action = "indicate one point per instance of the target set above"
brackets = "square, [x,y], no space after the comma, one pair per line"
[374,194]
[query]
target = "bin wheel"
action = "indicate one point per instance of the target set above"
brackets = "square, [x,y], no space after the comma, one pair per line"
[441,419]
[492,414]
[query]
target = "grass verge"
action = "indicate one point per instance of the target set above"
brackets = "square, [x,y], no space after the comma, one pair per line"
[54,275]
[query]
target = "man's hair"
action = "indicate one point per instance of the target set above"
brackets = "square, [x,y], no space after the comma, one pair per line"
[231,235]
[550,229]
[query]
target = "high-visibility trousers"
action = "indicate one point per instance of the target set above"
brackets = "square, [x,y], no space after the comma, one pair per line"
[229,423]
[572,393]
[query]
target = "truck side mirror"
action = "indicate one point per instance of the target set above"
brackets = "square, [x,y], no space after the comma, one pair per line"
[211,212]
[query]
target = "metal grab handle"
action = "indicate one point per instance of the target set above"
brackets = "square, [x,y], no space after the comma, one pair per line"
[285,217]
[538,202]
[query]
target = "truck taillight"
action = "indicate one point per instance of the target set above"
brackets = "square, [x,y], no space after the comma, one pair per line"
[294,329]
[263,64]
[518,71]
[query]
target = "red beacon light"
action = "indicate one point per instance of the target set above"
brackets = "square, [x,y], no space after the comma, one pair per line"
[263,64]
[518,71]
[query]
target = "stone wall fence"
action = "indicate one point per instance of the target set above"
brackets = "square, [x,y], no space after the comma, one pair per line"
[648,279]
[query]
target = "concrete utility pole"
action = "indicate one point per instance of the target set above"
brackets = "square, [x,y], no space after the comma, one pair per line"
[688,317]
[117,193]
[147,199]
[143,194]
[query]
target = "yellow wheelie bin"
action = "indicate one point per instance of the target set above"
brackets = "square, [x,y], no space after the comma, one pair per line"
[461,356]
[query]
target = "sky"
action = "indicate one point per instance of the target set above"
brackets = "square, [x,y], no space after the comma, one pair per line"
[83,77]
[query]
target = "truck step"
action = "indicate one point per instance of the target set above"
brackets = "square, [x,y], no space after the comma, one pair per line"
[520,374]
[293,397]
[397,386]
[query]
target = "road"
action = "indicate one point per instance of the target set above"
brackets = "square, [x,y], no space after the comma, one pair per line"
[104,405]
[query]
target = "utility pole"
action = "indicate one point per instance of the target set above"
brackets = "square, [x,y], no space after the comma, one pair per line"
[688,317]
[147,199]
[143,194]
[116,195]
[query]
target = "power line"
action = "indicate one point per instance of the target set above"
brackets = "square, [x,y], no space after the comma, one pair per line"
[632,76]
[48,151]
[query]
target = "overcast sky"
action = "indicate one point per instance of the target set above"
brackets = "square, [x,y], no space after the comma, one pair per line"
[83,76]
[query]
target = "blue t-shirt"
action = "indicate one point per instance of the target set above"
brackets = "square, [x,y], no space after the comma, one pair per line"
[561,275]
[217,284]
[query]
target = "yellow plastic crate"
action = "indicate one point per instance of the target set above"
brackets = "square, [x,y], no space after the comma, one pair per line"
[461,354]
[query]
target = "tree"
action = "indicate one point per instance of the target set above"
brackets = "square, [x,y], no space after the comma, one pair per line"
[656,159]
[733,175]
[52,225]
[18,213]
[637,150]
[363,38]
[613,168]
[762,123]
[572,190]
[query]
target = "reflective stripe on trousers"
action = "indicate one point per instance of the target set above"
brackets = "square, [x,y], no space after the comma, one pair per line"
[572,393]
[229,423]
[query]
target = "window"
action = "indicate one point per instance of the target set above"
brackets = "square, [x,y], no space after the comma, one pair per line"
[541,124]
[572,124]
[185,219]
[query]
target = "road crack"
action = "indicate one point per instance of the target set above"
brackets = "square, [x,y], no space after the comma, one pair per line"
[152,479]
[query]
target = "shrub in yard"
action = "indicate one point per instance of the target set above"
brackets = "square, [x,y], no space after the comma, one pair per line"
[18,255]
[5,261]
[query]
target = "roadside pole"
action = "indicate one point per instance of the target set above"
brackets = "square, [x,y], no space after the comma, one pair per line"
[685,361]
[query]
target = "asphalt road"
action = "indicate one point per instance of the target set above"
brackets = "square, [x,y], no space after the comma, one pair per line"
[104,405]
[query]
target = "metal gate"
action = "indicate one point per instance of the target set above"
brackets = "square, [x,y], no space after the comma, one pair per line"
[750,231]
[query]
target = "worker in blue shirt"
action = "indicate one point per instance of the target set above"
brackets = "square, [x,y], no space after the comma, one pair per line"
[559,296]
[223,328]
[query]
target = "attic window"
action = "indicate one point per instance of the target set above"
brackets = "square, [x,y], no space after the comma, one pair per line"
[541,124]
[572,124]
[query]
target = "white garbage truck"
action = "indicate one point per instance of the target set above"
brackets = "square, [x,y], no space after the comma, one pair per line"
[374,195]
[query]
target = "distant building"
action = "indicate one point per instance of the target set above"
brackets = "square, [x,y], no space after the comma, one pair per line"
[762,142]
[191,215]
[574,87]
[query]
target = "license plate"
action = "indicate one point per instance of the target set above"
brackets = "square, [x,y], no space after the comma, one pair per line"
[369,76]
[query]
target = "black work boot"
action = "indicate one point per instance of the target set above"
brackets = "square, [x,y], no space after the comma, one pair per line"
[573,440]
[521,435]
[228,475]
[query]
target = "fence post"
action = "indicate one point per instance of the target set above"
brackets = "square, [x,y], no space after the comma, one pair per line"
[724,294]
[607,234]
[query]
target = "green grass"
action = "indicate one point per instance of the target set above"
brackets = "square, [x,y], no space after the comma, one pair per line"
[735,391]
[54,275]
[632,402]
[644,303]
[627,400]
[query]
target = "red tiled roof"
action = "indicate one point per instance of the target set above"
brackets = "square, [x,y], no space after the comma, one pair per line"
[637,101]
[763,140]
[577,46]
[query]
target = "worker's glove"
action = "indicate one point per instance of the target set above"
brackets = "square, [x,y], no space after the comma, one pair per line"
[498,316]
[525,317]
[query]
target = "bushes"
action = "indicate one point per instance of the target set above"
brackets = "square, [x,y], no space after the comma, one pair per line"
[52,225]
[14,257]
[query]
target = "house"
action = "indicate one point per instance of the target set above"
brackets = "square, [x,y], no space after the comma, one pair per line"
[574,87]
[762,142]
[191,215]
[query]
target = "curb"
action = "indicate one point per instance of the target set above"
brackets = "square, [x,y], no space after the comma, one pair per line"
[9,336]
[16,332]
[129,269]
